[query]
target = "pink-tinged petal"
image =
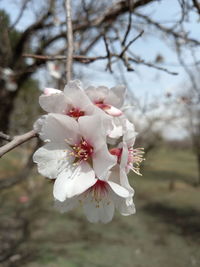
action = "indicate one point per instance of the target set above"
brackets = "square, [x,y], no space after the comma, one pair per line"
[115,112]
[103,161]
[74,181]
[99,212]
[61,130]
[55,103]
[51,160]
[50,91]
[119,190]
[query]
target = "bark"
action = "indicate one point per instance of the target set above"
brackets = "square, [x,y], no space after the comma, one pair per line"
[6,107]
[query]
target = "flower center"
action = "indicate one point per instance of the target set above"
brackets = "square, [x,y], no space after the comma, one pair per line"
[75,113]
[83,150]
[100,104]
[99,190]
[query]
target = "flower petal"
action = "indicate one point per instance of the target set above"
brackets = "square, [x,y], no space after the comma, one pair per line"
[51,161]
[77,97]
[116,96]
[73,181]
[101,212]
[67,205]
[119,190]
[55,103]
[60,129]
[103,161]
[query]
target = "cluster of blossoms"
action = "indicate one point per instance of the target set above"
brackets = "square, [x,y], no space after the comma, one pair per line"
[89,150]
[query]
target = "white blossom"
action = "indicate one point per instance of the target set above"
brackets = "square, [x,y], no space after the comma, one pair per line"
[89,149]
[99,200]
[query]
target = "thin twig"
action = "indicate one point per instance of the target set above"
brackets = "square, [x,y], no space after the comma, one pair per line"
[129,24]
[108,54]
[79,58]
[130,43]
[17,140]
[70,47]
[5,136]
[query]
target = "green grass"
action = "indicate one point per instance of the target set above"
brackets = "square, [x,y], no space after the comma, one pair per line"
[165,231]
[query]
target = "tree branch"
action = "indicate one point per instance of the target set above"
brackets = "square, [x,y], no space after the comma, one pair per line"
[70,47]
[17,140]
[5,136]
[79,58]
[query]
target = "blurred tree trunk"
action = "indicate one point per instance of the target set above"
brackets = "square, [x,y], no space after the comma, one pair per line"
[6,107]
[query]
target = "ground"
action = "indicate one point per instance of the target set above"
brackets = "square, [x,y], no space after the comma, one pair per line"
[164,232]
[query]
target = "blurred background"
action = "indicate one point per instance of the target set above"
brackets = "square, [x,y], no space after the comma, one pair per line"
[151,46]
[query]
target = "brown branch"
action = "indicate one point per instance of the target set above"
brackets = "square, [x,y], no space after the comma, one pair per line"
[79,58]
[17,140]
[196,5]
[5,136]
[70,46]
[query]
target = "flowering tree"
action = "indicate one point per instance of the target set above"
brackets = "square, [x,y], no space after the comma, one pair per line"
[73,147]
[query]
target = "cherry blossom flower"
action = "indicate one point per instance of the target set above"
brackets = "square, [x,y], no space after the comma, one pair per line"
[109,100]
[71,144]
[99,200]
[89,150]
[73,101]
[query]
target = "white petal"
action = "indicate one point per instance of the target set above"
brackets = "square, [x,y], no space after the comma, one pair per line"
[60,129]
[99,212]
[124,156]
[97,94]
[119,190]
[125,206]
[55,103]
[103,161]
[51,161]
[67,205]
[73,181]
[77,97]
[91,128]
[117,130]
[37,126]
[116,96]
[125,183]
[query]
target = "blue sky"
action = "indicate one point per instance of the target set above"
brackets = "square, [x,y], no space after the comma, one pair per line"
[144,82]
[143,79]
